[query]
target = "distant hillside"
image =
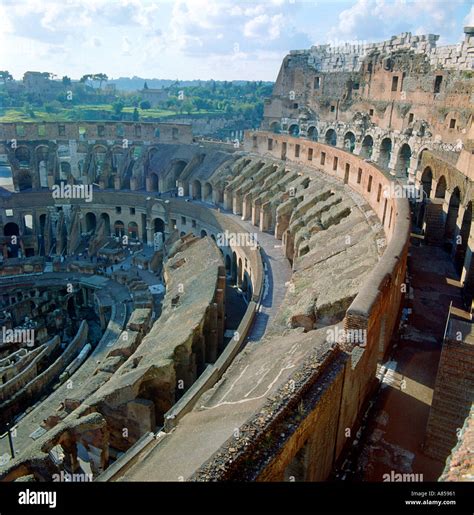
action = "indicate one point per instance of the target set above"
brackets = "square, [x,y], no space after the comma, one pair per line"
[136,83]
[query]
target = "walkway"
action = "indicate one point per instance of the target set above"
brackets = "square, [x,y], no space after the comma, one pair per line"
[393,437]
[202,431]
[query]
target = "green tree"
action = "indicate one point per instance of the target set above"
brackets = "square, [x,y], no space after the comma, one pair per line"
[5,76]
[66,80]
[118,107]
[145,104]
[135,116]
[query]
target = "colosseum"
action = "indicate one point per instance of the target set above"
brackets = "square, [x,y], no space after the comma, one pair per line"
[294,308]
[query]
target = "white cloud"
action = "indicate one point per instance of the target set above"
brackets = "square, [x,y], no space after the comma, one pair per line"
[469,19]
[374,19]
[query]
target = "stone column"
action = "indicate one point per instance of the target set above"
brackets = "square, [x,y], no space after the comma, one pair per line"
[247,206]
[228,202]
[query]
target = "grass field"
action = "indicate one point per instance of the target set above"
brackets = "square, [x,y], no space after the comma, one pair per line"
[86,113]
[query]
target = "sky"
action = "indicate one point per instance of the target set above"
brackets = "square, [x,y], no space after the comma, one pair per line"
[203,39]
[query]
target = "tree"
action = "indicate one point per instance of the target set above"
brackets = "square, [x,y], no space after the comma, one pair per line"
[187,106]
[66,80]
[145,104]
[101,77]
[136,116]
[5,76]
[118,107]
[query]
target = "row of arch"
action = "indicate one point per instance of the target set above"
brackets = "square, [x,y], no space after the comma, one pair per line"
[367,146]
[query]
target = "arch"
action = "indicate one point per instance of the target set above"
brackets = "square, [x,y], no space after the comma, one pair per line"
[420,157]
[119,228]
[133,230]
[106,218]
[91,222]
[11,229]
[367,147]
[154,182]
[441,187]
[25,180]
[158,225]
[403,161]
[234,268]
[240,272]
[228,263]
[275,127]
[330,137]
[463,238]
[452,216]
[207,192]
[42,222]
[245,282]
[294,130]
[23,156]
[65,170]
[28,224]
[174,173]
[426,182]
[385,154]
[313,133]
[196,189]
[349,141]
[203,233]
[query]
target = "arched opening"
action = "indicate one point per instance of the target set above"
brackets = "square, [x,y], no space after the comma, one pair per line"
[240,272]
[385,153]
[331,137]
[25,180]
[203,233]
[463,238]
[452,216]
[65,170]
[11,229]
[42,153]
[158,225]
[91,222]
[426,182]
[349,141]
[275,127]
[313,133]
[294,130]
[71,308]
[441,188]
[403,162]
[174,174]
[367,147]
[106,218]
[133,230]
[234,268]
[154,182]
[196,190]
[23,155]
[119,228]
[207,192]
[228,263]
[28,224]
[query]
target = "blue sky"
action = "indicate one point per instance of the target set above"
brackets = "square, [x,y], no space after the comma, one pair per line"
[203,39]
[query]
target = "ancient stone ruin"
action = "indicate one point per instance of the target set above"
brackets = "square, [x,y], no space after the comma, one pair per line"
[182,310]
